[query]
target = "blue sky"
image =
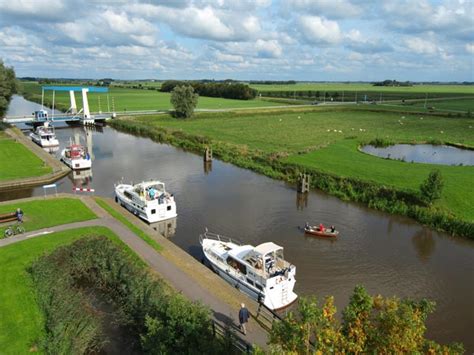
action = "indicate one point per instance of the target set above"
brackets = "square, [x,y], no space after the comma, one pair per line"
[321,40]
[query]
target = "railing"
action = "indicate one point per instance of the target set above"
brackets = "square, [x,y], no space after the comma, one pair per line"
[220,238]
[222,332]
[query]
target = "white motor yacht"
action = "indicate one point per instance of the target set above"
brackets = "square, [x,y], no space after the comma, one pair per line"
[76,157]
[45,136]
[148,200]
[261,272]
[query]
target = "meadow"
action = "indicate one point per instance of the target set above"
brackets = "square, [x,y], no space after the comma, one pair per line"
[18,162]
[22,323]
[327,139]
[50,212]
[126,99]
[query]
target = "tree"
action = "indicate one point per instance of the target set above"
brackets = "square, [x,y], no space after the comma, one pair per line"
[8,86]
[369,325]
[184,100]
[431,188]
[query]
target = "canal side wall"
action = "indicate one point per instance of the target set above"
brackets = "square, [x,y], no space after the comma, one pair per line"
[59,169]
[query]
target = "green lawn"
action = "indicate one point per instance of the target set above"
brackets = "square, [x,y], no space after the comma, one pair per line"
[50,212]
[18,162]
[149,240]
[134,99]
[343,159]
[301,135]
[21,321]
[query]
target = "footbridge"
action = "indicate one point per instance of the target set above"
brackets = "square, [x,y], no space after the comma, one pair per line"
[72,115]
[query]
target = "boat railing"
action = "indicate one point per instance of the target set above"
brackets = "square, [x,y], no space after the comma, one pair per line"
[214,236]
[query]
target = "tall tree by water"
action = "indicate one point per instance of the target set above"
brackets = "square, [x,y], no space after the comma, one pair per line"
[184,100]
[8,86]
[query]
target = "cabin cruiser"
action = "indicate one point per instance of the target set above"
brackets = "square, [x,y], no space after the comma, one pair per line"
[44,136]
[76,157]
[147,200]
[261,272]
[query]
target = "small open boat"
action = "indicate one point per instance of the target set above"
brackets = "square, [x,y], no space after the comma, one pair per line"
[326,232]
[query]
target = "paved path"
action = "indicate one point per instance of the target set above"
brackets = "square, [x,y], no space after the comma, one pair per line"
[182,282]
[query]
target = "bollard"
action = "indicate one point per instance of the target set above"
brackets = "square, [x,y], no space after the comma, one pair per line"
[303,183]
[208,154]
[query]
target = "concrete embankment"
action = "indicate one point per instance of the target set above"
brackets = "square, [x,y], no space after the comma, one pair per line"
[59,169]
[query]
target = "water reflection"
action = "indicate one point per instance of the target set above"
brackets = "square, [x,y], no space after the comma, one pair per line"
[424,243]
[51,150]
[301,200]
[165,228]
[81,177]
[207,167]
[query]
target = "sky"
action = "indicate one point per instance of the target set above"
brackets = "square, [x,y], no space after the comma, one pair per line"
[310,40]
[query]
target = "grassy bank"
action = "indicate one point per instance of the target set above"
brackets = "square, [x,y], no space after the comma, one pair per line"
[50,212]
[146,238]
[21,323]
[281,145]
[19,162]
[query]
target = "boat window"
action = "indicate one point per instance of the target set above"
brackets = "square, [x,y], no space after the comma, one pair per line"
[249,281]
[279,254]
[258,286]
[237,265]
[153,211]
[169,208]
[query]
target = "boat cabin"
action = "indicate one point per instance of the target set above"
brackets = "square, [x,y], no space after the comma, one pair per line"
[150,192]
[41,115]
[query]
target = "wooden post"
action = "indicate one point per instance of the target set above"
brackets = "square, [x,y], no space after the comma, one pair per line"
[208,154]
[303,183]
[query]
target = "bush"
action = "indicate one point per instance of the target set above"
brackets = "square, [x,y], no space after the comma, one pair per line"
[431,188]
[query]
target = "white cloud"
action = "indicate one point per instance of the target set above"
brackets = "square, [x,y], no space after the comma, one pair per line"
[319,30]
[268,49]
[421,46]
[328,8]
[469,48]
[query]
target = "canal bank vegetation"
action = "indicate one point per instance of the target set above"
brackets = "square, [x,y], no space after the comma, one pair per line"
[93,296]
[48,213]
[370,324]
[22,324]
[8,87]
[325,145]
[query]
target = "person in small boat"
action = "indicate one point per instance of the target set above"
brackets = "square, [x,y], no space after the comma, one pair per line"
[151,193]
[321,227]
[333,229]
[306,226]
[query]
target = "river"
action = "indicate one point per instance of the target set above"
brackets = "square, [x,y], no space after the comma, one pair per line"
[389,255]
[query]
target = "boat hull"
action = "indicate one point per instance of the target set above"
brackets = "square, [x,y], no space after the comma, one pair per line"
[45,143]
[325,234]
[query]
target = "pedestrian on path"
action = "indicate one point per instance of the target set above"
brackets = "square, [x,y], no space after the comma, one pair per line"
[243,318]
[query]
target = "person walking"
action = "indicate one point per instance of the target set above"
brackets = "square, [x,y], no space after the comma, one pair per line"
[243,318]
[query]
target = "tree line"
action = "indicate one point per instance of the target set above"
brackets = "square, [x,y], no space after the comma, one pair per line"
[228,90]
[8,86]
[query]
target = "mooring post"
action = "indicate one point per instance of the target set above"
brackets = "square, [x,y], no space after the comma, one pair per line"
[208,154]
[303,183]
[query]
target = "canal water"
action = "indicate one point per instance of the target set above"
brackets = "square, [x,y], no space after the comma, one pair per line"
[389,255]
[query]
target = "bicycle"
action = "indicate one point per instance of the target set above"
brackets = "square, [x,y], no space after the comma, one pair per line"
[14,230]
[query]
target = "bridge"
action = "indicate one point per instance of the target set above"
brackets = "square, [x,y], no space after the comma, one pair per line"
[83,116]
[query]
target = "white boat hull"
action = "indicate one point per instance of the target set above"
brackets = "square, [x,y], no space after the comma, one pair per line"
[45,143]
[151,213]
[76,164]
[271,296]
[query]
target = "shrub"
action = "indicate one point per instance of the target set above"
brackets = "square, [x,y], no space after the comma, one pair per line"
[431,188]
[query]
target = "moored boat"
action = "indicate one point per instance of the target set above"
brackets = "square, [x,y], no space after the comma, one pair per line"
[76,157]
[261,272]
[148,200]
[45,136]
[325,232]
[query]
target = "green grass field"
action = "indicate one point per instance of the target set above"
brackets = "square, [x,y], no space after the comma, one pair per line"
[458,89]
[21,321]
[50,212]
[18,162]
[313,138]
[440,105]
[136,99]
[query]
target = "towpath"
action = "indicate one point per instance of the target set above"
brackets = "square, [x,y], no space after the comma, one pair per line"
[181,281]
